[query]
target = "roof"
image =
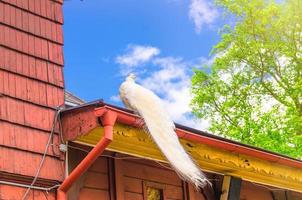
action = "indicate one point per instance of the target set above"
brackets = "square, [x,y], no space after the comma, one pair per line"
[99,103]
[213,153]
[72,100]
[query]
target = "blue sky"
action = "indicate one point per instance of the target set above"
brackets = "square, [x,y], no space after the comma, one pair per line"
[159,40]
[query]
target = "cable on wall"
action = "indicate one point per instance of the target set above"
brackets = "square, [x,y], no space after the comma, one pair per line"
[56,116]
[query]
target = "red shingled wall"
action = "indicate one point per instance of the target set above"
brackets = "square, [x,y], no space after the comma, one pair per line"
[31,86]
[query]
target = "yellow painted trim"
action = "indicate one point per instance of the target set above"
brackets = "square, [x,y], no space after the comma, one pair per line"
[136,142]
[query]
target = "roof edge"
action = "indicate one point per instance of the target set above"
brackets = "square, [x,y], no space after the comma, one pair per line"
[201,136]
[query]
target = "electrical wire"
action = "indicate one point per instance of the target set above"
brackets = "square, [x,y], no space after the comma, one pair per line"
[59,108]
[28,186]
[45,195]
[60,136]
[108,156]
[121,158]
[268,188]
[61,129]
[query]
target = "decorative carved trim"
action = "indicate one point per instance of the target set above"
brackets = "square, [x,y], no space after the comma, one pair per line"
[136,142]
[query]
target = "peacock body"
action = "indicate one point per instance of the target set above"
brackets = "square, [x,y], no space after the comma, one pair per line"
[161,128]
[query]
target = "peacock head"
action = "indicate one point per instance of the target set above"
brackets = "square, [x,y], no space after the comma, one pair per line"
[131,77]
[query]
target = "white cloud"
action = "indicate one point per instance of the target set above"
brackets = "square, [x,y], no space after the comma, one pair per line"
[172,83]
[115,98]
[202,13]
[169,78]
[136,55]
[201,124]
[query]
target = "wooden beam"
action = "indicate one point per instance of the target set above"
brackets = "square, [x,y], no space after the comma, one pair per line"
[208,192]
[185,190]
[231,187]
[111,178]
[119,179]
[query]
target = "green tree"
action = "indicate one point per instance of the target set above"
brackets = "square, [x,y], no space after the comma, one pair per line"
[253,93]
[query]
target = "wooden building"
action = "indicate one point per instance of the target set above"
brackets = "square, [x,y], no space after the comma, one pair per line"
[130,165]
[31,87]
[107,154]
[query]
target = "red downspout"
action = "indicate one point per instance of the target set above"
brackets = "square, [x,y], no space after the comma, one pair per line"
[108,119]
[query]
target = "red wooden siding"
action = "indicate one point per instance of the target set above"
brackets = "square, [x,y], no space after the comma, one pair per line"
[31,86]
[31,67]
[12,193]
[14,137]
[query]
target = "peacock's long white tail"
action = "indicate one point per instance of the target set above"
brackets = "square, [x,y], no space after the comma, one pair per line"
[162,130]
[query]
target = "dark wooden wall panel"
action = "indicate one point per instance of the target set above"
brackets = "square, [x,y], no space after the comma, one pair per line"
[96,180]
[136,173]
[174,192]
[93,194]
[133,185]
[100,165]
[94,184]
[133,196]
[145,172]
[250,191]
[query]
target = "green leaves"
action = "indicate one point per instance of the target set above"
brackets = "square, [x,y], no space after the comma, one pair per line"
[254,91]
